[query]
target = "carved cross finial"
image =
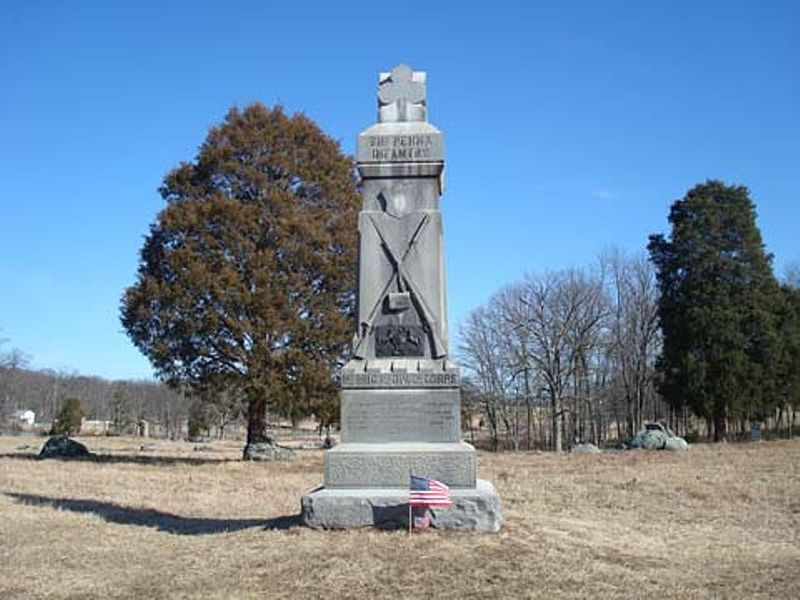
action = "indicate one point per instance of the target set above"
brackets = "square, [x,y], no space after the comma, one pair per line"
[402,84]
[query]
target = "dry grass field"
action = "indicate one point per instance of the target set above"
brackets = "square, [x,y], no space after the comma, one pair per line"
[178,521]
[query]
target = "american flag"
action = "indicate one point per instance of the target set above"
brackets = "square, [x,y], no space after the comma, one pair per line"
[428,492]
[422,522]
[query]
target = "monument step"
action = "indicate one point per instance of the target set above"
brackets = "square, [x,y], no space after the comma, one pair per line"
[473,509]
[389,464]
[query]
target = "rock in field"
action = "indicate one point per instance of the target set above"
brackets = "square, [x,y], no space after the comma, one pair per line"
[657,437]
[676,443]
[267,451]
[60,446]
[584,449]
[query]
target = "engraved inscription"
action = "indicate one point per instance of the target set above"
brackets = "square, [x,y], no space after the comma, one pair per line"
[400,380]
[400,147]
[420,146]
[401,416]
[408,419]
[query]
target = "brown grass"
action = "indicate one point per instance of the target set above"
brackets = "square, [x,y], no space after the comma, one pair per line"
[718,521]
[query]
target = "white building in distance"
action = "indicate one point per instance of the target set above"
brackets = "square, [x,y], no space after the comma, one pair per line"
[26,417]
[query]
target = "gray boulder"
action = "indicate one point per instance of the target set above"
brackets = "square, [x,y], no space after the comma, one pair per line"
[656,436]
[60,446]
[649,440]
[676,443]
[267,451]
[584,449]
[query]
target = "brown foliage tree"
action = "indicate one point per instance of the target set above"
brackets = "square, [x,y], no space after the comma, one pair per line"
[247,279]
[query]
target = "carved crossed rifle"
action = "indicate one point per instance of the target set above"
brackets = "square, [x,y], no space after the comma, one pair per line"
[404,281]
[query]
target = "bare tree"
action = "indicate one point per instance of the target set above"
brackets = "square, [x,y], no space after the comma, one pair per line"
[514,317]
[11,365]
[482,353]
[791,275]
[634,334]
[561,313]
[543,333]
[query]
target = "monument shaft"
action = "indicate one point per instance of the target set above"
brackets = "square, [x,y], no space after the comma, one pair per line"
[400,393]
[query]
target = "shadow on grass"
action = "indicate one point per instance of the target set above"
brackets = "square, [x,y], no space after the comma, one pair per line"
[155,519]
[122,459]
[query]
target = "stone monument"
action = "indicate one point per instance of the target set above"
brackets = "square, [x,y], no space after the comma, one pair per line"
[400,399]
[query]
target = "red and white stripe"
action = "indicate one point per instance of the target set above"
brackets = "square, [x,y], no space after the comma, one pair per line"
[437,495]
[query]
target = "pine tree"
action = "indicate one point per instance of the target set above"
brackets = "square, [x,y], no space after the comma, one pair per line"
[69,418]
[789,362]
[717,306]
[247,279]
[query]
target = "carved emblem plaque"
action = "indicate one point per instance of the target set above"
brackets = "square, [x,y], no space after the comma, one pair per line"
[399,340]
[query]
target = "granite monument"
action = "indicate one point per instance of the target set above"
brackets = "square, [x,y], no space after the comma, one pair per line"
[400,398]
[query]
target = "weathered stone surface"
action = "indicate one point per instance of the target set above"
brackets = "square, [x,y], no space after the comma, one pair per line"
[584,449]
[676,444]
[267,451]
[474,509]
[388,465]
[60,446]
[657,437]
[401,415]
[649,440]
[403,233]
[401,95]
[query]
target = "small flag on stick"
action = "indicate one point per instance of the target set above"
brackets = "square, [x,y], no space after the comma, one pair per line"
[422,522]
[428,492]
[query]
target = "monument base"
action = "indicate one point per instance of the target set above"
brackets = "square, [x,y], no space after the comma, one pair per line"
[473,509]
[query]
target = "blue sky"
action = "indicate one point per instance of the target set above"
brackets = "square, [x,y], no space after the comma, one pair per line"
[570,127]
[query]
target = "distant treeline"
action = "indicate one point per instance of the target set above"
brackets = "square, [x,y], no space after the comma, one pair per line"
[124,403]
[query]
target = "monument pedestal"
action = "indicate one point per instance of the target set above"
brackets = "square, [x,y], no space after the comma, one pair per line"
[367,476]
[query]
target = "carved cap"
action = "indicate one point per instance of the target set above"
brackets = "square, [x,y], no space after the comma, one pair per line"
[401,95]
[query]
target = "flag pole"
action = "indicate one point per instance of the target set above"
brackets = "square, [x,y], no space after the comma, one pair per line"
[410,517]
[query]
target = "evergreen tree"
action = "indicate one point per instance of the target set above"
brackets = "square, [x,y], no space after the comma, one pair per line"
[717,306]
[248,276]
[69,418]
[789,363]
